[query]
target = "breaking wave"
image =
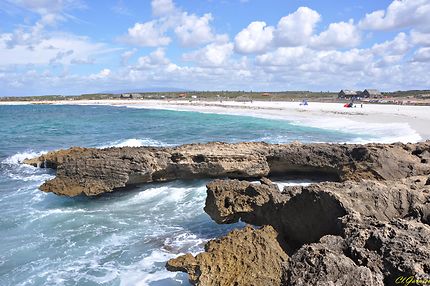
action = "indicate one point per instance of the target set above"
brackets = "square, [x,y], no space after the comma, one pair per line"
[134,142]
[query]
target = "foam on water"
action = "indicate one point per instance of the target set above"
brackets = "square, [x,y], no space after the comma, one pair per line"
[122,240]
[142,274]
[281,185]
[134,142]
[13,168]
[18,158]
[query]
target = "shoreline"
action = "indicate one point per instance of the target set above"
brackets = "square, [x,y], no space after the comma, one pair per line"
[404,123]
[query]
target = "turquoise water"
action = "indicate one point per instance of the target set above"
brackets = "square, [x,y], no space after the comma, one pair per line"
[123,238]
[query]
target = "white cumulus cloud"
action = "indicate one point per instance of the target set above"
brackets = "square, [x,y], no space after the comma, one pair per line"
[419,38]
[104,73]
[422,55]
[194,30]
[148,34]
[214,54]
[399,14]
[296,28]
[398,46]
[162,7]
[154,59]
[255,38]
[338,35]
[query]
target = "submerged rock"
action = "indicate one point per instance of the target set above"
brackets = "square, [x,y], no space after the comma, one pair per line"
[91,171]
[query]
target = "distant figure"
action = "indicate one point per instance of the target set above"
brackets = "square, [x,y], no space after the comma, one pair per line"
[304,102]
[362,105]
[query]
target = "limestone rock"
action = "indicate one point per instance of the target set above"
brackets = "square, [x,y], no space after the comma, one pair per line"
[243,257]
[392,248]
[322,264]
[305,213]
[92,171]
[351,233]
[366,223]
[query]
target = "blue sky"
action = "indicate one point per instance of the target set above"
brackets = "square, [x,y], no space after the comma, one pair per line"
[82,46]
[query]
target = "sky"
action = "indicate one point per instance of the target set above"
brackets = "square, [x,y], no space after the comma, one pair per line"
[80,46]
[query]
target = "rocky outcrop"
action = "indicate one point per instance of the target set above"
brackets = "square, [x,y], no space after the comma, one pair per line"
[230,257]
[365,232]
[366,223]
[92,171]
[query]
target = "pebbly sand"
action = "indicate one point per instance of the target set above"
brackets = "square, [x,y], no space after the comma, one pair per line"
[392,123]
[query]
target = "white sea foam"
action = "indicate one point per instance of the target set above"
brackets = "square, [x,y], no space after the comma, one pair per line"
[135,142]
[26,177]
[165,194]
[16,170]
[18,158]
[281,185]
[185,242]
[142,273]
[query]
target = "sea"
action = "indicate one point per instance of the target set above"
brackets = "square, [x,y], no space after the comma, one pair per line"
[126,237]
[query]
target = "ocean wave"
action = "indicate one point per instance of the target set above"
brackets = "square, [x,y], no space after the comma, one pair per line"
[26,177]
[134,142]
[142,273]
[18,158]
[14,169]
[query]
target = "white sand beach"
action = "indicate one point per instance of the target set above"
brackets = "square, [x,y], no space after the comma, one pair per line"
[393,123]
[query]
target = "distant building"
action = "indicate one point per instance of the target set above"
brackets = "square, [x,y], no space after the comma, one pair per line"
[137,95]
[266,94]
[132,95]
[347,93]
[371,93]
[423,96]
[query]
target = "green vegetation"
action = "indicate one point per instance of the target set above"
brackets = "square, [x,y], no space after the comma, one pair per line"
[219,96]
[207,95]
[409,93]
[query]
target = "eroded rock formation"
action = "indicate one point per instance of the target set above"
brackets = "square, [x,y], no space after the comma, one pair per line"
[335,233]
[93,171]
[366,223]
[224,258]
